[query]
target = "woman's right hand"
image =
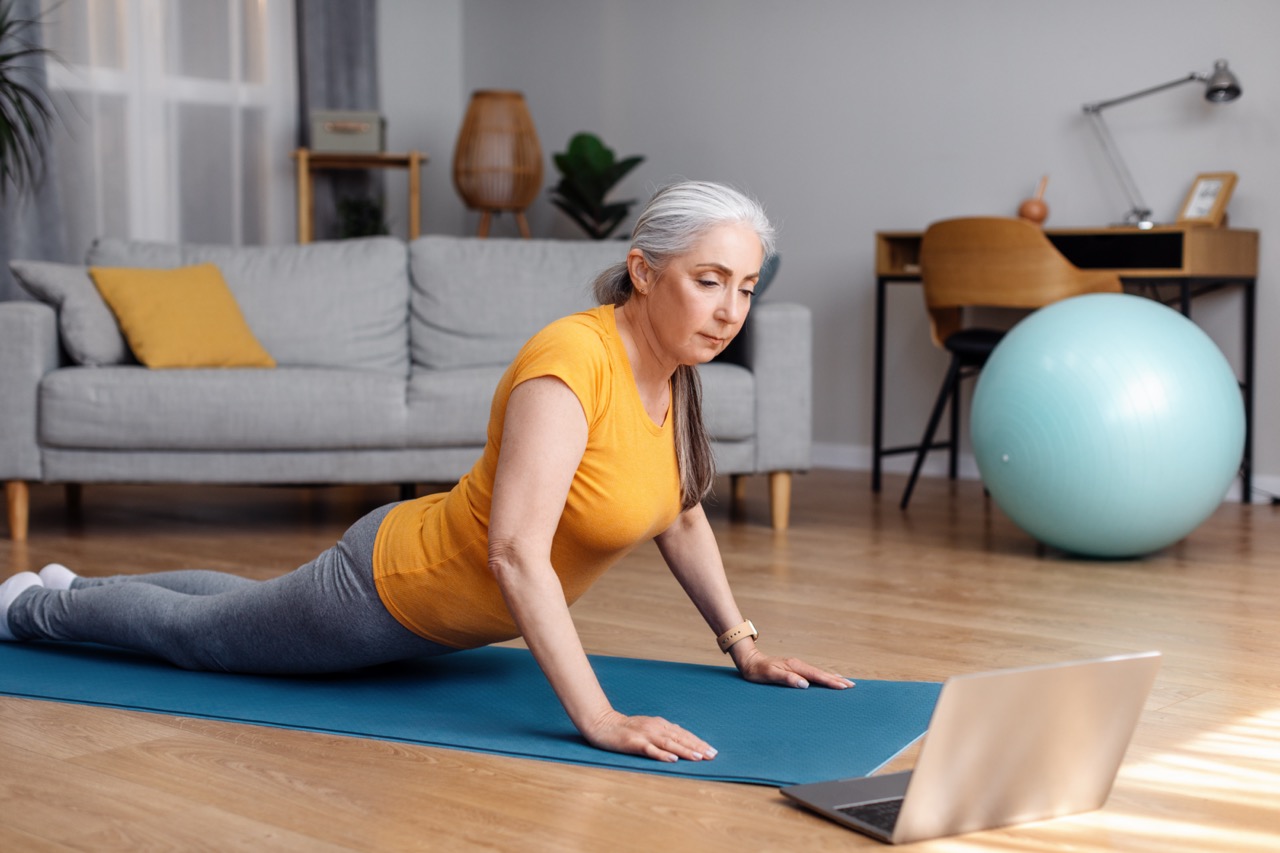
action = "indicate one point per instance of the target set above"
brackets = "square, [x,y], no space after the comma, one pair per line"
[651,737]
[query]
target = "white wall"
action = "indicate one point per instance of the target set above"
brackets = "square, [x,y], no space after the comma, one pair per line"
[850,117]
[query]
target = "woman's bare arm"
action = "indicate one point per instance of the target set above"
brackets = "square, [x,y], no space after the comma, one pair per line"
[690,550]
[544,437]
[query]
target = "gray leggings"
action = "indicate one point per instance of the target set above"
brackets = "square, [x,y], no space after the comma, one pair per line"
[325,616]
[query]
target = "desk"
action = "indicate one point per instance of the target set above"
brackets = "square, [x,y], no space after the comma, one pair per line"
[309,162]
[1186,262]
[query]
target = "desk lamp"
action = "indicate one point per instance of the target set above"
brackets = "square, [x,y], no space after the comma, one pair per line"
[1221,86]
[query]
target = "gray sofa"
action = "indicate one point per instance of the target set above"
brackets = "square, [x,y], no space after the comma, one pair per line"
[388,354]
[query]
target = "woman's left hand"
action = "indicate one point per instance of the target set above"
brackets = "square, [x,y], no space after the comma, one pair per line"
[760,668]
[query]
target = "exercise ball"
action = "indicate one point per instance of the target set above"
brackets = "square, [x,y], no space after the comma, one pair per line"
[1107,425]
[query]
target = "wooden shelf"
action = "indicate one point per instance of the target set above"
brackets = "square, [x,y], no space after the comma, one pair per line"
[309,162]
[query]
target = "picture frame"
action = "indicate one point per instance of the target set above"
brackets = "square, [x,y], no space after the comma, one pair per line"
[1206,201]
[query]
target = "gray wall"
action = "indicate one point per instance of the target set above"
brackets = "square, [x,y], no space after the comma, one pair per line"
[850,117]
[423,97]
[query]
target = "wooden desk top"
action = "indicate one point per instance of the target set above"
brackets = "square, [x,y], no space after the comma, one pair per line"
[1166,251]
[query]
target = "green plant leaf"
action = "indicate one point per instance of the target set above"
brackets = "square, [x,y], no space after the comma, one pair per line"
[589,225]
[621,168]
[590,153]
[579,198]
[589,170]
[25,114]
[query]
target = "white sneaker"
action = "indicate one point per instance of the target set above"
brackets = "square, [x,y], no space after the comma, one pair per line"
[10,590]
[57,576]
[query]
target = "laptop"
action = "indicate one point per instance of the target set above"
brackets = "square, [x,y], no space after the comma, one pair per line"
[1002,748]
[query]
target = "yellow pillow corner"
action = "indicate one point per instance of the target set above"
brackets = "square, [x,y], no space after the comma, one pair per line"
[184,317]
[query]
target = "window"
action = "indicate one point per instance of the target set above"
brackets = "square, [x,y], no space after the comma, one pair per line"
[177,117]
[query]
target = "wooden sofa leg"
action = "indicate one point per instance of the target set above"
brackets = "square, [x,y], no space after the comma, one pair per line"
[780,499]
[18,496]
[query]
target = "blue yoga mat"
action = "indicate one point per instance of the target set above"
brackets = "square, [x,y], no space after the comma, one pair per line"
[496,700]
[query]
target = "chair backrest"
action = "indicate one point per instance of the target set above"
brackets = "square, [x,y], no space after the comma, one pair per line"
[996,262]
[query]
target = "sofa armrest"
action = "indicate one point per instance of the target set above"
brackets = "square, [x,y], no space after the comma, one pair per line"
[776,345]
[28,350]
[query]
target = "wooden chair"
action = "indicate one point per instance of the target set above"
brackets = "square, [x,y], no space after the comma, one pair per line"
[986,262]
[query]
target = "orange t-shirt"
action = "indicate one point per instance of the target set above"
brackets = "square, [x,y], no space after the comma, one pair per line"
[431,555]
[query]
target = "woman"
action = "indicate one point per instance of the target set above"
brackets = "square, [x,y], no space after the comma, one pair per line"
[595,444]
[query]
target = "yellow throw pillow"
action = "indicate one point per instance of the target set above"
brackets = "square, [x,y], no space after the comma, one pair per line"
[184,317]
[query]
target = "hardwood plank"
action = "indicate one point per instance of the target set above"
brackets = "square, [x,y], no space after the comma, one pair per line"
[951,586]
[57,802]
[57,735]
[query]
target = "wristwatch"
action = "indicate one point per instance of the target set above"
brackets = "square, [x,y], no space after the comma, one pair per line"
[733,635]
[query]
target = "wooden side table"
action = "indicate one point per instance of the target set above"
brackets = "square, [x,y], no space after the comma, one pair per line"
[309,162]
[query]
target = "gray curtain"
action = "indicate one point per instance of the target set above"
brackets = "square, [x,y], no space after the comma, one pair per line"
[337,70]
[31,225]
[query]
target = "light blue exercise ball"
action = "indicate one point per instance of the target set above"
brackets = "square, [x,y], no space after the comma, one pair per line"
[1107,425]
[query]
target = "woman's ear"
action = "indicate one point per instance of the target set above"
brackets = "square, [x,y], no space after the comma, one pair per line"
[639,270]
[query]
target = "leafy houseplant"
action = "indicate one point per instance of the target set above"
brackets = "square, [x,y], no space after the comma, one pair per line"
[25,115]
[361,217]
[589,170]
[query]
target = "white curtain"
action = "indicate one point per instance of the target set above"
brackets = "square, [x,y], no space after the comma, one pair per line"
[176,119]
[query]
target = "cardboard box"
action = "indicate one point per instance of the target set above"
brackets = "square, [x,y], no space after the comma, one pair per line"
[347,132]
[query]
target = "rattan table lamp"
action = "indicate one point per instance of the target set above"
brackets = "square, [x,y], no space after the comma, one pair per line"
[497,163]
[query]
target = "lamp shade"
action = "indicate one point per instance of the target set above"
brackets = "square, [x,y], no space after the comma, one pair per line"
[497,162]
[1221,85]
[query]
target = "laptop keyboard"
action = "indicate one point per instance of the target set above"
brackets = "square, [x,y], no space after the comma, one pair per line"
[882,814]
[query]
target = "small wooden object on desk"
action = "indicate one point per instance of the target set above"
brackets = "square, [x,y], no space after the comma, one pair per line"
[1034,209]
[310,162]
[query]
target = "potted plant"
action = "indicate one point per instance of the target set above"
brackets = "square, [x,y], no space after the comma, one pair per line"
[25,114]
[361,217]
[589,170]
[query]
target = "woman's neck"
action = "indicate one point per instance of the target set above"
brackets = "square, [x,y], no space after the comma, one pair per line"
[652,374]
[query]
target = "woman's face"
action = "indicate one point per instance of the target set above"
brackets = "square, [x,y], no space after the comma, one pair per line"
[698,302]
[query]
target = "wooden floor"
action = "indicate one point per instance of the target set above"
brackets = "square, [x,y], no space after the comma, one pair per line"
[855,585]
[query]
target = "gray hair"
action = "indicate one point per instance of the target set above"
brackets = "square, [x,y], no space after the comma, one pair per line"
[674,219]
[671,223]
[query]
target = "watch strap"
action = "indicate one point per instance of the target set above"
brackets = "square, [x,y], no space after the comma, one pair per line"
[736,633]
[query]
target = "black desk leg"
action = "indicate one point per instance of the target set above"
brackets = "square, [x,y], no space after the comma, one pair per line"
[1246,385]
[1250,317]
[1184,287]
[877,427]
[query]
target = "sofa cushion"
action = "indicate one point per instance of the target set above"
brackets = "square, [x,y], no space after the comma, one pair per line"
[224,409]
[86,325]
[184,317]
[728,401]
[476,302]
[450,408]
[342,304]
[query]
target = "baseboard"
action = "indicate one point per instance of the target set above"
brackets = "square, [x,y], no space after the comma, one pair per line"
[850,457]
[856,457]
